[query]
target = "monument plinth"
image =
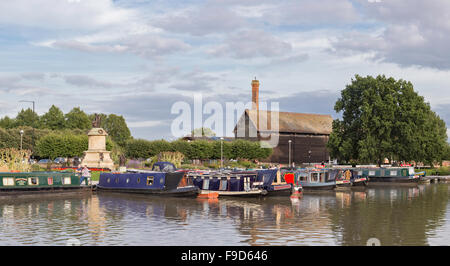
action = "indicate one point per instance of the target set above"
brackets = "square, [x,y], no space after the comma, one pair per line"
[97,156]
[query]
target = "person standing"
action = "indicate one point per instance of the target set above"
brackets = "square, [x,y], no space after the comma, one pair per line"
[85,174]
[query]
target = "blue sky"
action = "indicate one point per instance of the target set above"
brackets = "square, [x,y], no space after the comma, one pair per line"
[137,58]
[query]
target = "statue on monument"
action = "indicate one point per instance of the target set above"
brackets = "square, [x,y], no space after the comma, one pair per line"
[97,155]
[97,121]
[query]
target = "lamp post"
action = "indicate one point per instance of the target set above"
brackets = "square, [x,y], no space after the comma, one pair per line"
[290,164]
[21,138]
[32,142]
[221,152]
[309,156]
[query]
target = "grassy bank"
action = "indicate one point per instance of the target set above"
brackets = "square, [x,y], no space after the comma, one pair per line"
[438,171]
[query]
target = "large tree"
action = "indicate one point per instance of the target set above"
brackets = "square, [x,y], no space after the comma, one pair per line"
[117,128]
[385,118]
[53,119]
[27,118]
[76,118]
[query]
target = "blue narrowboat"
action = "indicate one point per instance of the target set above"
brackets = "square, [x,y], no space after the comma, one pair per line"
[241,183]
[150,182]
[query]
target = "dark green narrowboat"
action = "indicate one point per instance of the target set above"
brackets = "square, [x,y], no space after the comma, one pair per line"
[29,182]
[389,175]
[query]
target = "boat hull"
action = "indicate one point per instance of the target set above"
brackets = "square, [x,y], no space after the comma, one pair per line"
[179,192]
[393,180]
[318,186]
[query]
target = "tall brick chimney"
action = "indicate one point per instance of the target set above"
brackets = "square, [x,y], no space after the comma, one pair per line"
[255,94]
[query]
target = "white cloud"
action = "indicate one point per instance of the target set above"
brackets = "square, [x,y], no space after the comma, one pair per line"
[252,43]
[415,32]
[141,124]
[60,14]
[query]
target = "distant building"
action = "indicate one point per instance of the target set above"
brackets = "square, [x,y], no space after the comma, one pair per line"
[309,133]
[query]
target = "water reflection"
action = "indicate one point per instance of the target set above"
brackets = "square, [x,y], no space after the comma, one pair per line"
[395,215]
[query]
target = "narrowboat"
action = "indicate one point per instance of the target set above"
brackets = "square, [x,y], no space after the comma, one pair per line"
[241,183]
[342,177]
[147,182]
[32,182]
[359,180]
[389,175]
[311,179]
[349,177]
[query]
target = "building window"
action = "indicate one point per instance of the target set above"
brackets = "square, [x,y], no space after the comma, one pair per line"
[150,180]
[8,181]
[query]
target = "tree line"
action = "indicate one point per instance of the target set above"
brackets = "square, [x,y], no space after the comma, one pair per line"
[198,149]
[386,118]
[75,120]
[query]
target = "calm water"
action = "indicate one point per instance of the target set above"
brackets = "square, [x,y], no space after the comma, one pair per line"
[395,215]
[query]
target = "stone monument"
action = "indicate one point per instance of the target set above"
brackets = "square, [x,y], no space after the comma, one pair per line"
[97,156]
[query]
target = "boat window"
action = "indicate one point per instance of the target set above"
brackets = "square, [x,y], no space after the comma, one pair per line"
[303,177]
[372,173]
[8,181]
[411,170]
[223,184]
[108,180]
[138,180]
[205,184]
[315,177]
[360,173]
[393,173]
[128,180]
[322,177]
[150,180]
[50,181]
[67,181]
[33,181]
[117,180]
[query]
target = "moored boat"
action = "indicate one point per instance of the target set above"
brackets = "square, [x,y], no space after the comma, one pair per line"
[342,177]
[388,175]
[254,183]
[163,180]
[33,182]
[311,179]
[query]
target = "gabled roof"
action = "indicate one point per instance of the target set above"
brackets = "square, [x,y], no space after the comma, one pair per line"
[292,122]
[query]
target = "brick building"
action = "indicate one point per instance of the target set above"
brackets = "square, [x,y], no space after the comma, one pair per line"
[308,133]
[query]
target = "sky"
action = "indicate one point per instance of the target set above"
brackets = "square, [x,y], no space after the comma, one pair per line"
[137,58]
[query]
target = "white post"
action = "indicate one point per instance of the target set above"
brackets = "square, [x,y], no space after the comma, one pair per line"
[221,152]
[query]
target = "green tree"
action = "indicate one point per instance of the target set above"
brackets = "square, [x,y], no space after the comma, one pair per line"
[7,122]
[203,132]
[117,128]
[53,119]
[76,118]
[27,118]
[385,118]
